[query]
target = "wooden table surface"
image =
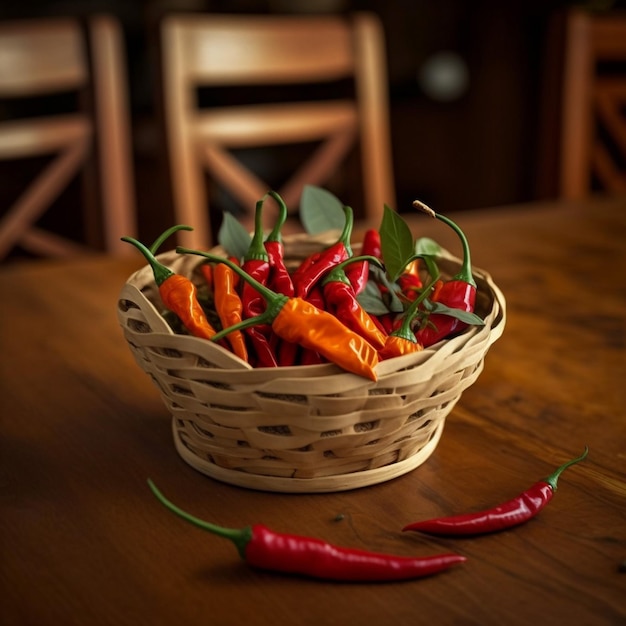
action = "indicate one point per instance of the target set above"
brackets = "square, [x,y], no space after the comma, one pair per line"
[82,540]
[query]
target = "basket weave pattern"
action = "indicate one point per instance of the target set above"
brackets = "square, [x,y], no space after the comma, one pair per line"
[307,428]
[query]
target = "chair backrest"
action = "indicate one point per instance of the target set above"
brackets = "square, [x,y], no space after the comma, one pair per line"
[593,122]
[46,56]
[212,51]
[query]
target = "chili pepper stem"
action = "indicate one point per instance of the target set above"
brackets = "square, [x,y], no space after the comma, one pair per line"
[282,217]
[239,536]
[163,236]
[554,477]
[161,273]
[465,273]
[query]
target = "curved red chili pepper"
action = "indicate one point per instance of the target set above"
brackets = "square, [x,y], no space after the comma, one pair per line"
[280,278]
[342,302]
[256,263]
[308,556]
[318,264]
[506,515]
[457,293]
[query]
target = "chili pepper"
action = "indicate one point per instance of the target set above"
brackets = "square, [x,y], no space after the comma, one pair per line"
[177,292]
[299,321]
[309,356]
[267,549]
[229,306]
[280,278]
[358,273]
[457,293]
[256,264]
[402,340]
[410,285]
[342,302]
[512,513]
[319,263]
[386,322]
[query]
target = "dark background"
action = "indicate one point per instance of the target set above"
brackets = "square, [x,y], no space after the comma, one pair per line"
[487,146]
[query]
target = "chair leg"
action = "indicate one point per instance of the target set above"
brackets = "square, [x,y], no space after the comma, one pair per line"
[32,204]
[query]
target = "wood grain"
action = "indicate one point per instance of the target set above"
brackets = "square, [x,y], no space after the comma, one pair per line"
[82,541]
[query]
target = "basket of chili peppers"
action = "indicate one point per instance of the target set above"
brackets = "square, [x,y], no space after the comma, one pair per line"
[307,363]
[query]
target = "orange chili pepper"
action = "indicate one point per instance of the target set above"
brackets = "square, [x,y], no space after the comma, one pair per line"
[299,321]
[229,306]
[397,346]
[178,293]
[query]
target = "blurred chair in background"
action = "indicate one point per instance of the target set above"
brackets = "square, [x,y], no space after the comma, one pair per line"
[592,150]
[41,57]
[212,51]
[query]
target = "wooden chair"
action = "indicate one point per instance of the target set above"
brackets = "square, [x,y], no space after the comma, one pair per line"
[213,51]
[593,120]
[41,57]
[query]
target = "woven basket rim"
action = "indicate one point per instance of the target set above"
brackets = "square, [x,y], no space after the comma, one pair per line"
[134,289]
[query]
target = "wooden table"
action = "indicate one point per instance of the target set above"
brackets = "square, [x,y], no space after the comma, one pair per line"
[84,542]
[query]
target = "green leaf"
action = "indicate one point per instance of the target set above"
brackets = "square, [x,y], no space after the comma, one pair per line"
[427,246]
[320,210]
[371,299]
[463,316]
[393,303]
[233,236]
[396,242]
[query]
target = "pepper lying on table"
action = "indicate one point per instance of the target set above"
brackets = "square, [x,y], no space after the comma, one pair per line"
[295,554]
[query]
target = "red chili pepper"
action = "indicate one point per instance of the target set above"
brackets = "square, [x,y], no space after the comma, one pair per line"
[358,273]
[298,321]
[266,549]
[512,513]
[457,293]
[314,267]
[342,302]
[256,263]
[410,282]
[280,278]
[177,292]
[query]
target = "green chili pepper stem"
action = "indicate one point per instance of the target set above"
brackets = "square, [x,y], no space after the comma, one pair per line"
[257,250]
[346,233]
[465,273]
[338,273]
[282,218]
[239,536]
[554,477]
[162,237]
[161,273]
[405,328]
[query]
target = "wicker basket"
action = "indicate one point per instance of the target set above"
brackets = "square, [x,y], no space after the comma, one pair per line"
[308,428]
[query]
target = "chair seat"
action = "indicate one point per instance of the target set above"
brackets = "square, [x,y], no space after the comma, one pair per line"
[23,138]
